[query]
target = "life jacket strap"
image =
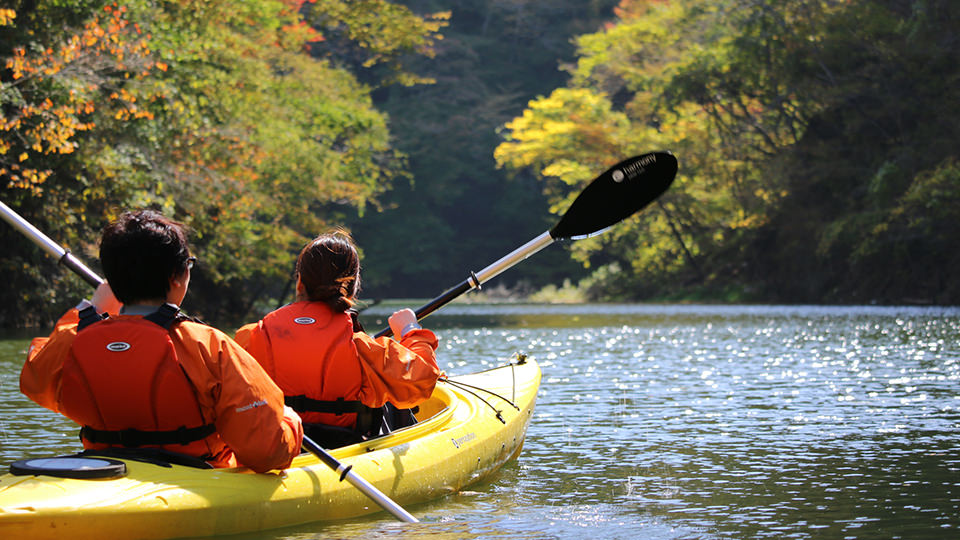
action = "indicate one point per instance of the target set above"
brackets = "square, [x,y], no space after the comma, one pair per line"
[165,316]
[302,403]
[88,316]
[131,438]
[355,319]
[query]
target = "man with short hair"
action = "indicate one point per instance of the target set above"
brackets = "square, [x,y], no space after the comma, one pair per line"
[142,375]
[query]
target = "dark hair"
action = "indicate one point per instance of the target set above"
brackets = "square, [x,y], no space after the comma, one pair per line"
[140,252]
[329,269]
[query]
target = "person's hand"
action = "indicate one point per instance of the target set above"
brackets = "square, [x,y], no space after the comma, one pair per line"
[402,322]
[104,300]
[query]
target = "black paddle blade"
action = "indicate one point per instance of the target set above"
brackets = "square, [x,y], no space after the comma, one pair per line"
[617,194]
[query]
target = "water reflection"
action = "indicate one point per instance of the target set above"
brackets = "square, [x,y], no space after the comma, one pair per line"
[687,422]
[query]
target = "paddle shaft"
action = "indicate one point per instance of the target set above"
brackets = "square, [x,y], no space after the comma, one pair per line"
[368,489]
[62,255]
[479,278]
[67,259]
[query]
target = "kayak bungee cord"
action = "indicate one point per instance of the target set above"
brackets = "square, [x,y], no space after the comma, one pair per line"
[468,388]
[520,360]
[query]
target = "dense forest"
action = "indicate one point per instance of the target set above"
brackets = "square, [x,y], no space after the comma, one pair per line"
[816,141]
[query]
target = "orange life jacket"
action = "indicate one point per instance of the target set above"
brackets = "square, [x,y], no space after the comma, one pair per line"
[123,382]
[316,363]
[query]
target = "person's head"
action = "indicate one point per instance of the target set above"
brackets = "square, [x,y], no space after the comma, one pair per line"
[328,270]
[146,258]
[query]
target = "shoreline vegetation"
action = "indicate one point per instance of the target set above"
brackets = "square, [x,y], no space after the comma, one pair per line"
[571,294]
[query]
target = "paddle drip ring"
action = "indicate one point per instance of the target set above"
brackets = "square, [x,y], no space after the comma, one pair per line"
[69,467]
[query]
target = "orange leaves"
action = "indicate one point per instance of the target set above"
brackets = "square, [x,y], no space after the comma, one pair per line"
[57,124]
[110,38]
[303,32]
[128,108]
[17,64]
[37,129]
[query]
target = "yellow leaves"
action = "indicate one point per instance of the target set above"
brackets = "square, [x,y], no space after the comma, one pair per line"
[576,124]
[385,33]
[768,195]
[566,168]
[747,221]
[7,16]
[46,122]
[47,127]
[27,179]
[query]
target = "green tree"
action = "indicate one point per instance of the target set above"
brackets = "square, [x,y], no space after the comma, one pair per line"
[800,128]
[856,227]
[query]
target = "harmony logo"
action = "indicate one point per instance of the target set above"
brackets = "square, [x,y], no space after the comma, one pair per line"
[118,346]
[304,320]
[460,441]
[634,169]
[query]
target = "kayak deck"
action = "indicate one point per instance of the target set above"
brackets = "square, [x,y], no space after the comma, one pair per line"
[471,426]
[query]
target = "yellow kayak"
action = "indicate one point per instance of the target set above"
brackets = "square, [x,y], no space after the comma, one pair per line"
[471,426]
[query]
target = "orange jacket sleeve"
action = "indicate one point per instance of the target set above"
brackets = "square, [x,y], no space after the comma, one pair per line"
[250,415]
[40,375]
[403,373]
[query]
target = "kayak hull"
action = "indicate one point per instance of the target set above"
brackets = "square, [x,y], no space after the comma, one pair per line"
[471,426]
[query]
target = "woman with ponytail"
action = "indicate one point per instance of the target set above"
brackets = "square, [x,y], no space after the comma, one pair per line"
[338,378]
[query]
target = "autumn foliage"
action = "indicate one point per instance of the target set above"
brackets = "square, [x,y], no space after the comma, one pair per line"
[218,113]
[38,122]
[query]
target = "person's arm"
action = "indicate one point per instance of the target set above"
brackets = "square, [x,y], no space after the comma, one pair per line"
[403,373]
[244,334]
[250,415]
[405,328]
[40,375]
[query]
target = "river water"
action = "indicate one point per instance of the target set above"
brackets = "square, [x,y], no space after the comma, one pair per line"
[680,422]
